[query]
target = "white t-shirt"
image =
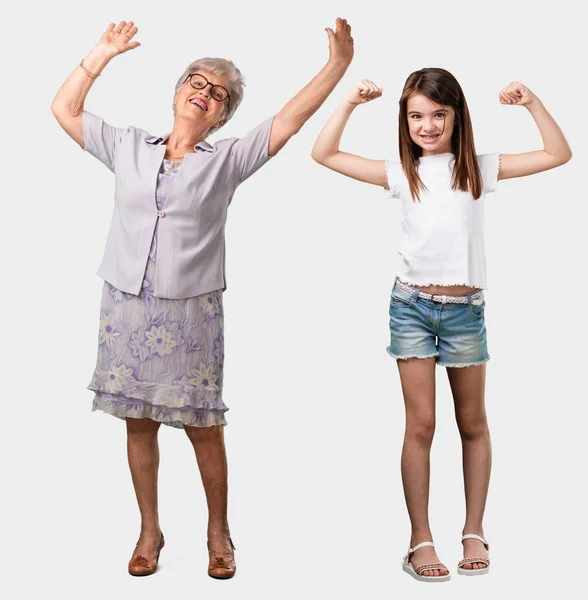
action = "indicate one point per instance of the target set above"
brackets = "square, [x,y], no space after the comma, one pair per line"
[443,233]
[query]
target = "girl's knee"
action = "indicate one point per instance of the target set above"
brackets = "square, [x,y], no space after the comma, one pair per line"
[473,427]
[421,427]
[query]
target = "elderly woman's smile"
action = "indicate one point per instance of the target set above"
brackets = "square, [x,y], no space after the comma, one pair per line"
[199,102]
[204,91]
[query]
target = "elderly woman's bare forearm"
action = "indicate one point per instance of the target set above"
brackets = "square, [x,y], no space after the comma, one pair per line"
[68,105]
[295,114]
[73,92]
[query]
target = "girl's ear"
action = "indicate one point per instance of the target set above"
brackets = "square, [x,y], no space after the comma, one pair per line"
[220,123]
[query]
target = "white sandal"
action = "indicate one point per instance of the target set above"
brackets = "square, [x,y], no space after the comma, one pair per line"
[475,559]
[408,567]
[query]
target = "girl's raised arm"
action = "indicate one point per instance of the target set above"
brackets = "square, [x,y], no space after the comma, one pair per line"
[326,148]
[556,150]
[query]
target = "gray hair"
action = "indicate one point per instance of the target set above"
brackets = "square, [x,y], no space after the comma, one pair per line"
[219,66]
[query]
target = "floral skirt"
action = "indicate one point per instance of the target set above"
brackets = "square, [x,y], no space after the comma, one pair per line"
[159,358]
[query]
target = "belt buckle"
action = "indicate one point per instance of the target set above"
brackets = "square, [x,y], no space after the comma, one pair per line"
[442,296]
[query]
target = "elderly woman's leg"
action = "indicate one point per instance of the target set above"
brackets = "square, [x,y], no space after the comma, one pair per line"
[209,446]
[143,454]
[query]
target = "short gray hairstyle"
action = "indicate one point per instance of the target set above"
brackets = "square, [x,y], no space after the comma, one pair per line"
[219,66]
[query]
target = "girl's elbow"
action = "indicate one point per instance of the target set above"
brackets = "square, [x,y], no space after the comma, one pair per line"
[317,156]
[564,158]
[557,159]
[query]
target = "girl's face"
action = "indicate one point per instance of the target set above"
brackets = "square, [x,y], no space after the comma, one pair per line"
[430,124]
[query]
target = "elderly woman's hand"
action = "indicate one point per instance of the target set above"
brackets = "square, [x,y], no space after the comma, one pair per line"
[117,39]
[340,43]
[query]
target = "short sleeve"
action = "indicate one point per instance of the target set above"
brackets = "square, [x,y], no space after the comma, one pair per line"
[100,139]
[489,165]
[252,151]
[393,174]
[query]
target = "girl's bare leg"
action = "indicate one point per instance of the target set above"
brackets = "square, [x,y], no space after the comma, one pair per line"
[468,387]
[418,387]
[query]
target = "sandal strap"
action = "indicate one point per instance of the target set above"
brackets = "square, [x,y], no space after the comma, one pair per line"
[474,536]
[421,545]
[430,567]
[478,559]
[411,551]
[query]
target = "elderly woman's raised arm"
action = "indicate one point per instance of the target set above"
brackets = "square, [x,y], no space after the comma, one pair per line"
[68,105]
[293,116]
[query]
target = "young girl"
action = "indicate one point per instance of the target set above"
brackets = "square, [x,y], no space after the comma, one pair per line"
[437,303]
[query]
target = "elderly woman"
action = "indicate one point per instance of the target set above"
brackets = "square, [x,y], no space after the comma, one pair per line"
[160,354]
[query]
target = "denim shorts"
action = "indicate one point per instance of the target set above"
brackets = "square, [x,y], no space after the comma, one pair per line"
[455,334]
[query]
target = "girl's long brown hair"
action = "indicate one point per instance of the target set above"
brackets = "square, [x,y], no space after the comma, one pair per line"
[441,87]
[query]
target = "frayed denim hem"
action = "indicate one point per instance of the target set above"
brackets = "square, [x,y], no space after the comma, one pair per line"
[462,365]
[436,355]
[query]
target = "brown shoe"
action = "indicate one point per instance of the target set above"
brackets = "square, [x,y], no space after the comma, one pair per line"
[140,566]
[221,567]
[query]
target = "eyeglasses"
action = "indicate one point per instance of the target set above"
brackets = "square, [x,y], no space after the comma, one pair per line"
[199,82]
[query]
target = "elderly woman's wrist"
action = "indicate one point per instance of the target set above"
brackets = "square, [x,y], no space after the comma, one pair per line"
[93,64]
[99,56]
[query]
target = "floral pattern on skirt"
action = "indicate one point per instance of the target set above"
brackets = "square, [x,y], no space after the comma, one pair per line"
[160,358]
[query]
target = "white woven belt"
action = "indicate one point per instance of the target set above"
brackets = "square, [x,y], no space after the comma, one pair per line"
[441,297]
